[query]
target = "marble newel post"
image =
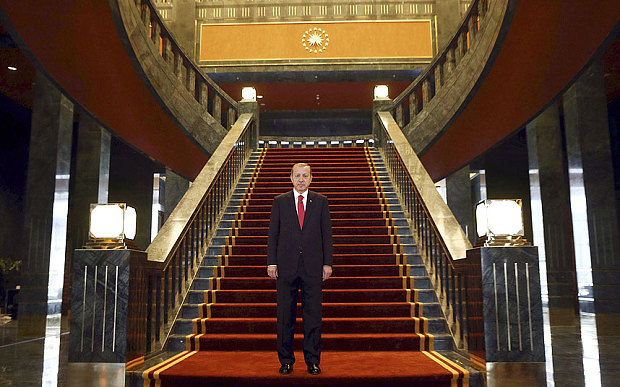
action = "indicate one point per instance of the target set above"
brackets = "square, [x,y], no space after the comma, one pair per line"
[108,306]
[47,194]
[511,303]
[251,106]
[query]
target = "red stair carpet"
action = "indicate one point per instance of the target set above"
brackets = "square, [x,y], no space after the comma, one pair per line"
[374,331]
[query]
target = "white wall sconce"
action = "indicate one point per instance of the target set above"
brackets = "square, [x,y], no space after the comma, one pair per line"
[248,94]
[499,222]
[112,226]
[381,92]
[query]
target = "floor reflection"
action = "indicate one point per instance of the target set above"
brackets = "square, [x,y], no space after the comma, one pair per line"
[575,356]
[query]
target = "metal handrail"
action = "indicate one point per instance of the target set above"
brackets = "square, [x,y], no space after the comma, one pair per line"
[438,234]
[175,254]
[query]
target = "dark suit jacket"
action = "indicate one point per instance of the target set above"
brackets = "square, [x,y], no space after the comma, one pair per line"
[286,239]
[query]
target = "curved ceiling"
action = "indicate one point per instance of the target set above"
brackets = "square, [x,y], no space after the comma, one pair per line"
[76,42]
[548,44]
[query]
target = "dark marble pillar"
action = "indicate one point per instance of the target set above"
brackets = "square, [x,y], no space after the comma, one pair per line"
[183,23]
[458,192]
[511,303]
[448,20]
[46,206]
[548,158]
[174,189]
[131,182]
[89,184]
[588,148]
[507,176]
[91,175]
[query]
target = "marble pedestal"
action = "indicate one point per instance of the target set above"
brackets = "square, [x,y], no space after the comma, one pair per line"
[510,301]
[108,307]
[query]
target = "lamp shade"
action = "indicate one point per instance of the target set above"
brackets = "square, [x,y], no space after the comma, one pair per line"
[113,221]
[248,93]
[381,91]
[499,219]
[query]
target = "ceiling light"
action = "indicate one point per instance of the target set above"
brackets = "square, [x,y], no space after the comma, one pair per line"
[12,68]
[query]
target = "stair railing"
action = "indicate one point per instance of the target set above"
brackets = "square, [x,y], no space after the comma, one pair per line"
[413,99]
[176,253]
[439,236]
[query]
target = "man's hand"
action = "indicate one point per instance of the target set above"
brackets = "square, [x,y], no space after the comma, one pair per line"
[327,272]
[272,271]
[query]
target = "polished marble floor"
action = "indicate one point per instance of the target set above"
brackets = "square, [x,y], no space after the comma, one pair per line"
[576,356]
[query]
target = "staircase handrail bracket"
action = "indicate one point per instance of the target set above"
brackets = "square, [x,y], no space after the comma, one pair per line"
[450,230]
[169,236]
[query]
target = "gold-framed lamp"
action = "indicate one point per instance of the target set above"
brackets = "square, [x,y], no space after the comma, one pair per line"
[112,226]
[499,222]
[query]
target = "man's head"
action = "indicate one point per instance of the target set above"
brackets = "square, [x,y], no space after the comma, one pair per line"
[301,176]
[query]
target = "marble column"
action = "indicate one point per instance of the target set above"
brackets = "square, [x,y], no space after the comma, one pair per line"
[448,20]
[548,157]
[589,150]
[507,176]
[458,193]
[131,182]
[46,207]
[174,189]
[183,23]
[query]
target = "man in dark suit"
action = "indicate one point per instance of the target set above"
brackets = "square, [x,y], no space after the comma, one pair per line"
[299,257]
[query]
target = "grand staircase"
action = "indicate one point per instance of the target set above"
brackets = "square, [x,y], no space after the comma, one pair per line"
[378,307]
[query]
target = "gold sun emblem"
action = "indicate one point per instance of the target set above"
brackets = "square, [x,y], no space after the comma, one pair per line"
[315,40]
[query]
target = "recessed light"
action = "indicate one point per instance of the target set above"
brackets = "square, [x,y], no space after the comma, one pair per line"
[12,68]
[259,96]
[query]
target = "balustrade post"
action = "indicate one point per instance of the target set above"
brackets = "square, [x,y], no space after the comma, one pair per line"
[472,26]
[439,76]
[177,67]
[145,15]
[155,30]
[450,63]
[413,106]
[426,92]
[205,95]
[168,53]
[231,117]
[217,108]
[399,115]
[191,79]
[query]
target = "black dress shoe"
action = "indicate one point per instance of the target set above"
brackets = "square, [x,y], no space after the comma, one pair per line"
[313,369]
[286,369]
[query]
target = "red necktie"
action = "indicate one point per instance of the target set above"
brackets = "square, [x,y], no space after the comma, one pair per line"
[300,211]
